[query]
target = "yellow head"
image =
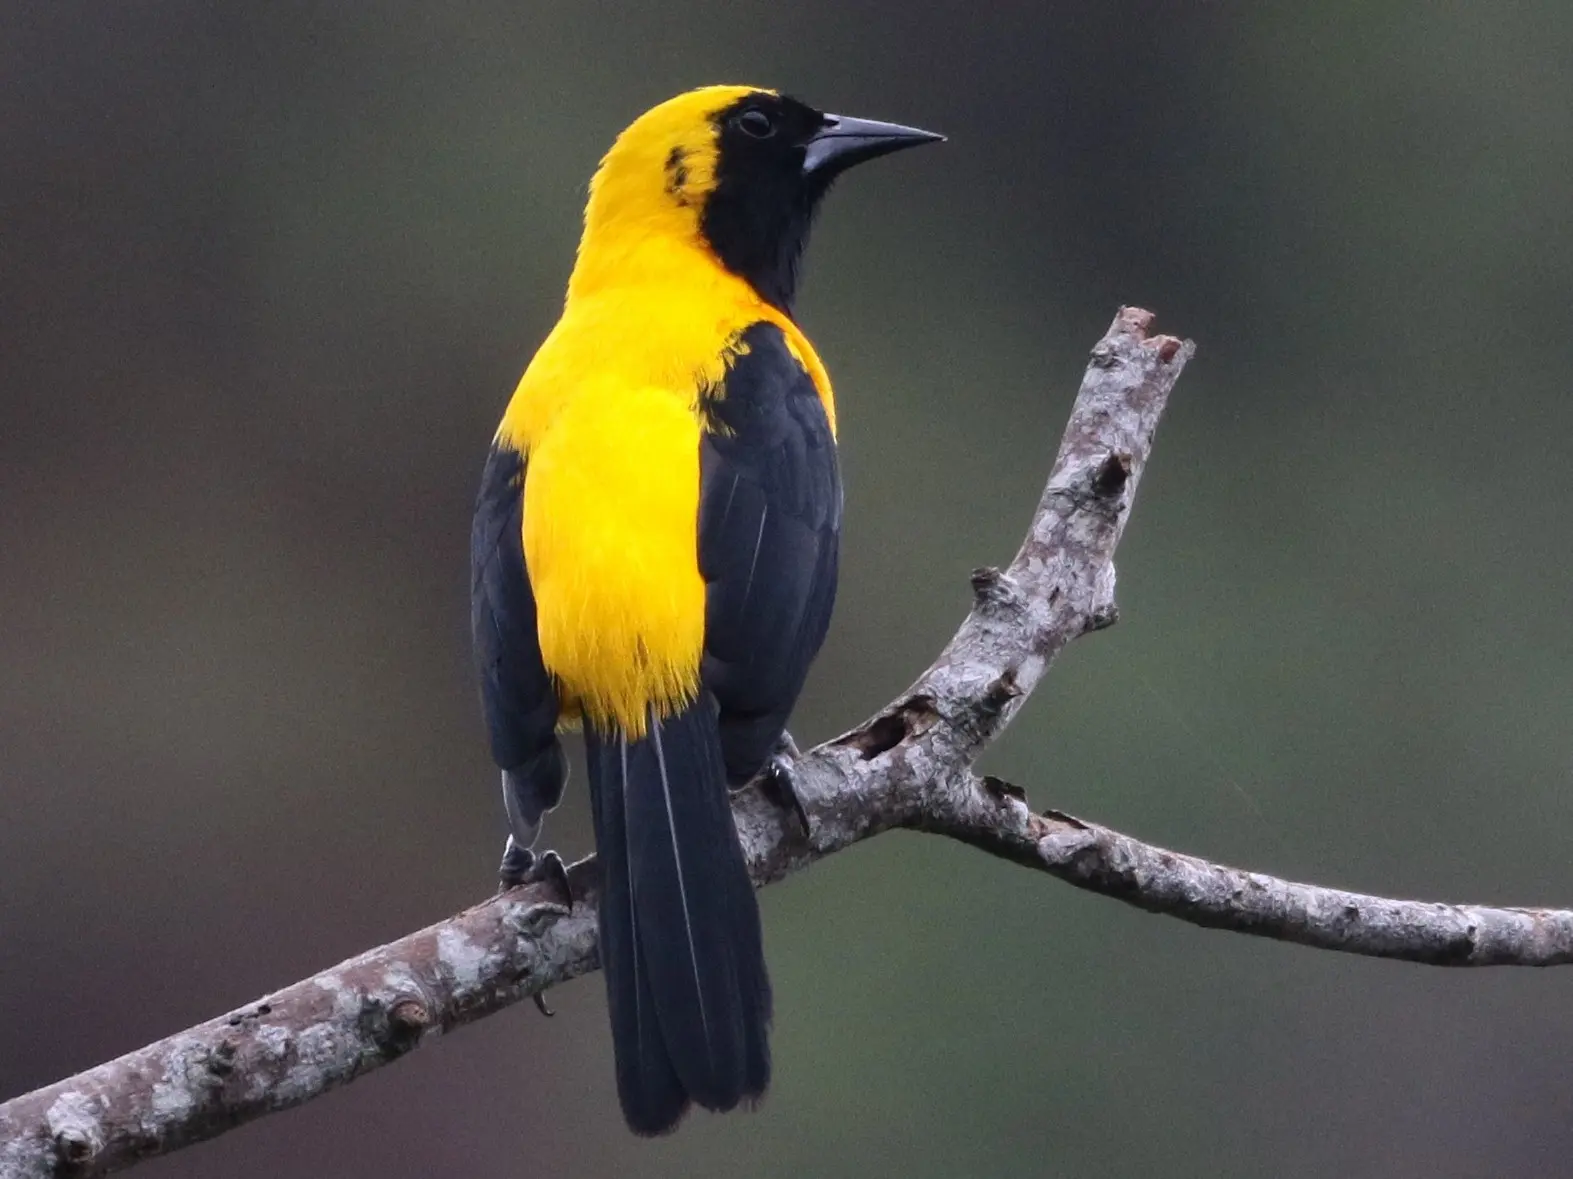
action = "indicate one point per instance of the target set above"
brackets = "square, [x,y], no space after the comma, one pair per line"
[735,172]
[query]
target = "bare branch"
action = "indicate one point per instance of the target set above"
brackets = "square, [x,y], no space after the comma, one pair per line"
[908,766]
[1219,897]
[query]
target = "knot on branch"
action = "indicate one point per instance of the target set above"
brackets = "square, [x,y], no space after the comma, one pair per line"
[407,1019]
[999,789]
[1110,476]
[74,1132]
[221,1061]
[1104,356]
[1098,487]
[909,718]
[394,1027]
[1103,617]
[996,592]
[1004,688]
[74,1148]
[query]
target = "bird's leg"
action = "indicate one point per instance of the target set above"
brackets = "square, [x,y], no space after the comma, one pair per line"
[517,860]
[777,780]
[521,864]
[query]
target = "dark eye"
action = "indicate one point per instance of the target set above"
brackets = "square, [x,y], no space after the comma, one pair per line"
[757,124]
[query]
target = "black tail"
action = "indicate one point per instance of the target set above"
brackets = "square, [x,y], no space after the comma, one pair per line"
[680,938]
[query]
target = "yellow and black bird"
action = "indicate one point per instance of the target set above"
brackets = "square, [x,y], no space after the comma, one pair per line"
[654,557]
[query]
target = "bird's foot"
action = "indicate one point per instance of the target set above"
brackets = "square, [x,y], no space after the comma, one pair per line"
[517,861]
[778,781]
[549,868]
[520,866]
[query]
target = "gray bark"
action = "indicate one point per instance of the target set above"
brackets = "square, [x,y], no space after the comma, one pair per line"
[909,766]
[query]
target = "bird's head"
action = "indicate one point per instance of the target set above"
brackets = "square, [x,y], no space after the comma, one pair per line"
[734,170]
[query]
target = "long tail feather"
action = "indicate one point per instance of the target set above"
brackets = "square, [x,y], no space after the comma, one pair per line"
[680,932]
[652,1097]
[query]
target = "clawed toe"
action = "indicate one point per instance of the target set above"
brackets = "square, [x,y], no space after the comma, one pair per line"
[517,863]
[520,866]
[550,869]
[779,784]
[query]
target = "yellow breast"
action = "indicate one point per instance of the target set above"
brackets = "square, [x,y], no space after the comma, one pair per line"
[607,416]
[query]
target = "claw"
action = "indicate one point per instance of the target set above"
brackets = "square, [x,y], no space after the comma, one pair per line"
[776,778]
[549,868]
[520,865]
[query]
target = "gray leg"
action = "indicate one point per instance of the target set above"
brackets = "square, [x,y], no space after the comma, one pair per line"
[520,864]
[528,793]
[523,830]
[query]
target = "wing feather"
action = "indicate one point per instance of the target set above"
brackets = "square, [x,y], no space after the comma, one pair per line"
[517,695]
[769,531]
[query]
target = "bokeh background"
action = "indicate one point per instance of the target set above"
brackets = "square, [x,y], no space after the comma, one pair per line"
[267,276]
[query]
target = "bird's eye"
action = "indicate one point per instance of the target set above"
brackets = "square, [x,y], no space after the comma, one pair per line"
[757,124]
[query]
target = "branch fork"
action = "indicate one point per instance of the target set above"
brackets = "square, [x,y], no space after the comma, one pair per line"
[908,766]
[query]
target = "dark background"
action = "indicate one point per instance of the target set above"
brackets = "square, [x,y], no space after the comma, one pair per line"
[269,273]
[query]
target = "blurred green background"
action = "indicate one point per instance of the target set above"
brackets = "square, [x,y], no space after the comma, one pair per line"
[267,276]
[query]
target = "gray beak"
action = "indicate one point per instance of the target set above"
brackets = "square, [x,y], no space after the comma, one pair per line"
[845,141]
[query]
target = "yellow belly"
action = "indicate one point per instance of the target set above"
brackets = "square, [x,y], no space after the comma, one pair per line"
[611,505]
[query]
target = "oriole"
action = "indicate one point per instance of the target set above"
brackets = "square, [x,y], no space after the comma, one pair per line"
[654,556]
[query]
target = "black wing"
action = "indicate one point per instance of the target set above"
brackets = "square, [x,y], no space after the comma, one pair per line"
[517,695]
[769,531]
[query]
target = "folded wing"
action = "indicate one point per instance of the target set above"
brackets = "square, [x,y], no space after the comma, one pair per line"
[769,531]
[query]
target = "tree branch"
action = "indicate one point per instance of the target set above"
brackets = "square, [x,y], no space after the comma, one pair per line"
[1218,897]
[909,766]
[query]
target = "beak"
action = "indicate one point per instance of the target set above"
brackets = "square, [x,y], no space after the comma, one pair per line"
[844,141]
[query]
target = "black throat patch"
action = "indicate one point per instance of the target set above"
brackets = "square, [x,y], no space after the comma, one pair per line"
[758,215]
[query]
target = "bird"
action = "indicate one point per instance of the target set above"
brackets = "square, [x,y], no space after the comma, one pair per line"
[654,557]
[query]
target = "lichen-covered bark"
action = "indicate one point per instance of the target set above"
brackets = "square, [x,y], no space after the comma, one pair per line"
[908,766]
[997,819]
[297,1043]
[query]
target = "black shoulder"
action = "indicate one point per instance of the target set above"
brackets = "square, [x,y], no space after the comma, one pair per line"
[517,695]
[769,535]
